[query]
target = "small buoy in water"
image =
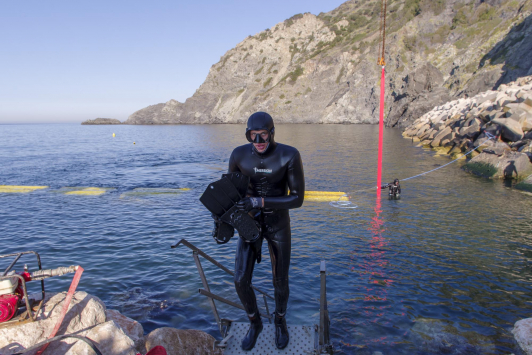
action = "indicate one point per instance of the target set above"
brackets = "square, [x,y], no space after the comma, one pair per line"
[113,135]
[133,142]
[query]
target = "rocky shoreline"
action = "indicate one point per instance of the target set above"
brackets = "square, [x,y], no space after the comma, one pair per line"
[462,125]
[112,332]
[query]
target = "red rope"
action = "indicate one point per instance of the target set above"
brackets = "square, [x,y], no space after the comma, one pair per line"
[66,304]
[381,131]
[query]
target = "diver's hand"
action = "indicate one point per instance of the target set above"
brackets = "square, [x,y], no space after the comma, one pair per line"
[248,203]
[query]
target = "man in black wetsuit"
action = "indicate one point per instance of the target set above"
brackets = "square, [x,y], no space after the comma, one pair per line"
[394,188]
[273,169]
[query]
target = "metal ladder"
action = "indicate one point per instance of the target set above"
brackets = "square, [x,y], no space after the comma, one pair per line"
[304,339]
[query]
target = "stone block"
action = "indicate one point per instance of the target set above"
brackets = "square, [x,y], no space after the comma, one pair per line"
[526,122]
[511,130]
[443,134]
[509,165]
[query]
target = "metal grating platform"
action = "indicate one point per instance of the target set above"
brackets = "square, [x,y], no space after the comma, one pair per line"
[302,340]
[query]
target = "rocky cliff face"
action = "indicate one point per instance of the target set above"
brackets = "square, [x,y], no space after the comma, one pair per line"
[323,69]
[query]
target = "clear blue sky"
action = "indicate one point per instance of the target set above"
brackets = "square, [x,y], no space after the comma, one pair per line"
[68,61]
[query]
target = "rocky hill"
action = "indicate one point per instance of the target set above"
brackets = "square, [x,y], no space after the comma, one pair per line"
[323,69]
[98,121]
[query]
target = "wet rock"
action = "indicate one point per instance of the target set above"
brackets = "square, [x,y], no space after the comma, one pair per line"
[436,337]
[509,165]
[526,185]
[85,311]
[523,334]
[181,341]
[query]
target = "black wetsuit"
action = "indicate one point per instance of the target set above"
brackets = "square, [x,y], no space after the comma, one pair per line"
[272,173]
[394,190]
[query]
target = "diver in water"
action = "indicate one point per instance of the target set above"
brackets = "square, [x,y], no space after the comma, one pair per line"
[273,169]
[394,188]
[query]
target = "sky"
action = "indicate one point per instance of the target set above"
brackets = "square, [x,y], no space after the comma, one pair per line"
[69,61]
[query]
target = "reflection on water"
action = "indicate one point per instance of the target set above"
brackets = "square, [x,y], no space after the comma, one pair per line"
[444,270]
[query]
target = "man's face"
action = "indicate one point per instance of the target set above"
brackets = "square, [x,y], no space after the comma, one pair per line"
[261,147]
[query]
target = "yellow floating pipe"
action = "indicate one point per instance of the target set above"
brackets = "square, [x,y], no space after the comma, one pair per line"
[328,193]
[20,188]
[325,198]
[88,191]
[149,191]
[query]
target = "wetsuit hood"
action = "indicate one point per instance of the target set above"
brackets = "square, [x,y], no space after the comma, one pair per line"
[261,121]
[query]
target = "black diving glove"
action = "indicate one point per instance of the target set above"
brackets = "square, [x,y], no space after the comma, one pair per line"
[249,203]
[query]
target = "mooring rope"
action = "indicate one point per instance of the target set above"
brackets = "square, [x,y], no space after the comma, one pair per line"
[490,136]
[349,204]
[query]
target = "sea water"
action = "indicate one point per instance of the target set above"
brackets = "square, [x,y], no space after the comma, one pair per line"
[444,269]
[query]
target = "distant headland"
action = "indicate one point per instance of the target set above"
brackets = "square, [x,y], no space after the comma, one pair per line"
[102,121]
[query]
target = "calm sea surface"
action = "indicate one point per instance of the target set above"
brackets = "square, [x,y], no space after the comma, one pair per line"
[444,270]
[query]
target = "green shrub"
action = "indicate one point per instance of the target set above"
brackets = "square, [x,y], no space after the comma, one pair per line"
[486,12]
[340,75]
[295,74]
[307,91]
[267,82]
[239,92]
[263,60]
[291,20]
[410,42]
[288,102]
[224,61]
[460,19]
[436,6]
[282,96]
[257,72]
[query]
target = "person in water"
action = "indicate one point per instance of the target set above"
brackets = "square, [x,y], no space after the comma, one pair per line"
[274,169]
[394,188]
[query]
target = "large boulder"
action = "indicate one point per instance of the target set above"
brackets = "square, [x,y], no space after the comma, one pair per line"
[182,341]
[511,129]
[445,134]
[131,327]
[523,334]
[107,337]
[492,164]
[85,311]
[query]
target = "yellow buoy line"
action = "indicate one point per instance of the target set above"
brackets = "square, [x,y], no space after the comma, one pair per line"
[310,196]
[325,196]
[19,189]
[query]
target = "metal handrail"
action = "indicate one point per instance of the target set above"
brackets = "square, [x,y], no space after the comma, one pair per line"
[196,252]
[325,323]
[194,248]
